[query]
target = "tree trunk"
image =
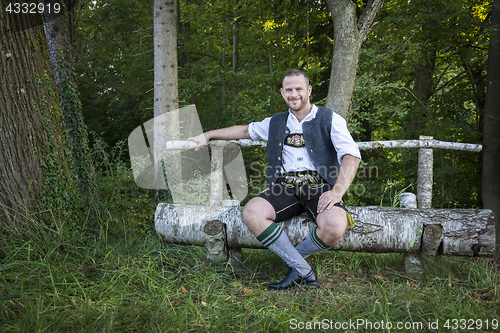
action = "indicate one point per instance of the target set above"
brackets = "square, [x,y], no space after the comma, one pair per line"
[367,19]
[348,37]
[345,56]
[491,127]
[58,30]
[166,94]
[235,59]
[424,86]
[34,163]
[165,56]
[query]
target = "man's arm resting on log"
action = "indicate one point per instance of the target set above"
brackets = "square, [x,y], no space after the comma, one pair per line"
[229,133]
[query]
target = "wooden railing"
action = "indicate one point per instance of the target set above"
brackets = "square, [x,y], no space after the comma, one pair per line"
[425,145]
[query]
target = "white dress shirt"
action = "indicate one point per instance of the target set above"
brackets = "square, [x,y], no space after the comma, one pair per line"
[297,159]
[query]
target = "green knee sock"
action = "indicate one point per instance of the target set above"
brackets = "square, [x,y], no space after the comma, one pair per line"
[277,241]
[312,244]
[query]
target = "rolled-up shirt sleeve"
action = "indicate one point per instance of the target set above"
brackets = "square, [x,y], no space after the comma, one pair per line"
[259,130]
[342,139]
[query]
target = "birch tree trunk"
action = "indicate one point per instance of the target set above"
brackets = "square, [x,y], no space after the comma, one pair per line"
[491,127]
[166,89]
[348,37]
[165,56]
[33,141]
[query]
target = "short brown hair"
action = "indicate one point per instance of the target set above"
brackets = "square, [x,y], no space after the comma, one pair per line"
[296,72]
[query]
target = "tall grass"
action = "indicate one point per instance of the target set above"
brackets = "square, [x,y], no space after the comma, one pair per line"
[143,285]
[130,281]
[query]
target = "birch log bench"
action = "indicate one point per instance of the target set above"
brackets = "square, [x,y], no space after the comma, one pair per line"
[413,228]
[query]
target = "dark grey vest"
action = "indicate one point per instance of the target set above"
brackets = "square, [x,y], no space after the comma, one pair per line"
[318,144]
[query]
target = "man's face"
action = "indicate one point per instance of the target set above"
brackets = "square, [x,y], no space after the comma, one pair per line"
[296,93]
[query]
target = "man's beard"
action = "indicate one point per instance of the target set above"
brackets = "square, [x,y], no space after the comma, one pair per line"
[298,107]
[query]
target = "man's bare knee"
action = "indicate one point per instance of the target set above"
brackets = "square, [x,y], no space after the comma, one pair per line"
[332,225]
[258,214]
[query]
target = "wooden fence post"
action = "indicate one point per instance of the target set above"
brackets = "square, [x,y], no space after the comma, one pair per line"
[413,266]
[216,175]
[424,181]
[407,200]
[432,235]
[216,241]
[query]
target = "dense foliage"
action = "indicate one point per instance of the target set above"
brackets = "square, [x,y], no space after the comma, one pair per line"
[422,71]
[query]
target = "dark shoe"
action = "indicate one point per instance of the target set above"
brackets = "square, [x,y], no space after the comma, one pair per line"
[294,280]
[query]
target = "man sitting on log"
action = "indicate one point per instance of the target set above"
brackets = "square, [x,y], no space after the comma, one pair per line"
[312,160]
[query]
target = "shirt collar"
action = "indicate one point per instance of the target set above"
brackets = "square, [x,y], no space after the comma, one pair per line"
[310,116]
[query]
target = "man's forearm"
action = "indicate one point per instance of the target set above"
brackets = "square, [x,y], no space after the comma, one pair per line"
[347,172]
[346,175]
[229,133]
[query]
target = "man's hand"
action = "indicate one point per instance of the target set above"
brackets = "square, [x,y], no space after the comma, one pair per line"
[201,140]
[327,200]
[347,173]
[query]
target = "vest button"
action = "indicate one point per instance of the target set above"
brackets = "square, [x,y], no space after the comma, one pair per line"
[279,158]
[287,131]
[279,144]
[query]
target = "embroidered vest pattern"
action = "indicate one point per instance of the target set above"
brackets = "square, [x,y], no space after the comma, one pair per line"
[295,140]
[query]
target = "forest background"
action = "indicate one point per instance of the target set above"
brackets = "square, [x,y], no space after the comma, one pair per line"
[79,250]
[422,71]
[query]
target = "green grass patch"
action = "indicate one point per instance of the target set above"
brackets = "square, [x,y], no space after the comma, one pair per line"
[128,280]
[143,285]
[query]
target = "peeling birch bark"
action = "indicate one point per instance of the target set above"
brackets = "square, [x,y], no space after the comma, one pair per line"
[378,229]
[216,176]
[367,145]
[407,200]
[425,176]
